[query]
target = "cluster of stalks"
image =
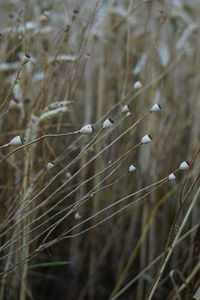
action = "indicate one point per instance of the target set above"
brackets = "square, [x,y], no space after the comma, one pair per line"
[99,150]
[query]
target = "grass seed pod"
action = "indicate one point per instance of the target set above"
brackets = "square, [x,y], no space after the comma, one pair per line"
[128,114]
[107,123]
[131,168]
[171,177]
[16,141]
[77,216]
[184,166]
[50,166]
[155,107]
[197,294]
[125,108]
[25,58]
[137,85]
[87,129]
[146,139]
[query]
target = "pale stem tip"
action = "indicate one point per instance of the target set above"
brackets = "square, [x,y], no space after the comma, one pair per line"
[125,108]
[77,216]
[87,129]
[131,168]
[107,123]
[50,165]
[16,141]
[184,165]
[137,85]
[146,139]
[155,107]
[171,177]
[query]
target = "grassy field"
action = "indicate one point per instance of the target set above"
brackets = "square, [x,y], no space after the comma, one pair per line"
[110,210]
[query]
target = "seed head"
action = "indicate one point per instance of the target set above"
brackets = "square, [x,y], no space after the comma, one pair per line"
[137,85]
[87,129]
[146,139]
[155,107]
[68,175]
[171,177]
[125,108]
[50,165]
[77,216]
[131,168]
[25,58]
[16,141]
[128,114]
[107,123]
[184,165]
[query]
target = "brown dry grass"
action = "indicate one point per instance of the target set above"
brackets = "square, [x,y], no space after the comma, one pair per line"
[138,235]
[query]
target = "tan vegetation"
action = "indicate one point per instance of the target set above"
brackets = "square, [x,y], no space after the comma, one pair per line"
[106,210]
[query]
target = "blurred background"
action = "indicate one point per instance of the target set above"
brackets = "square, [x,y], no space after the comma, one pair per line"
[76,223]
